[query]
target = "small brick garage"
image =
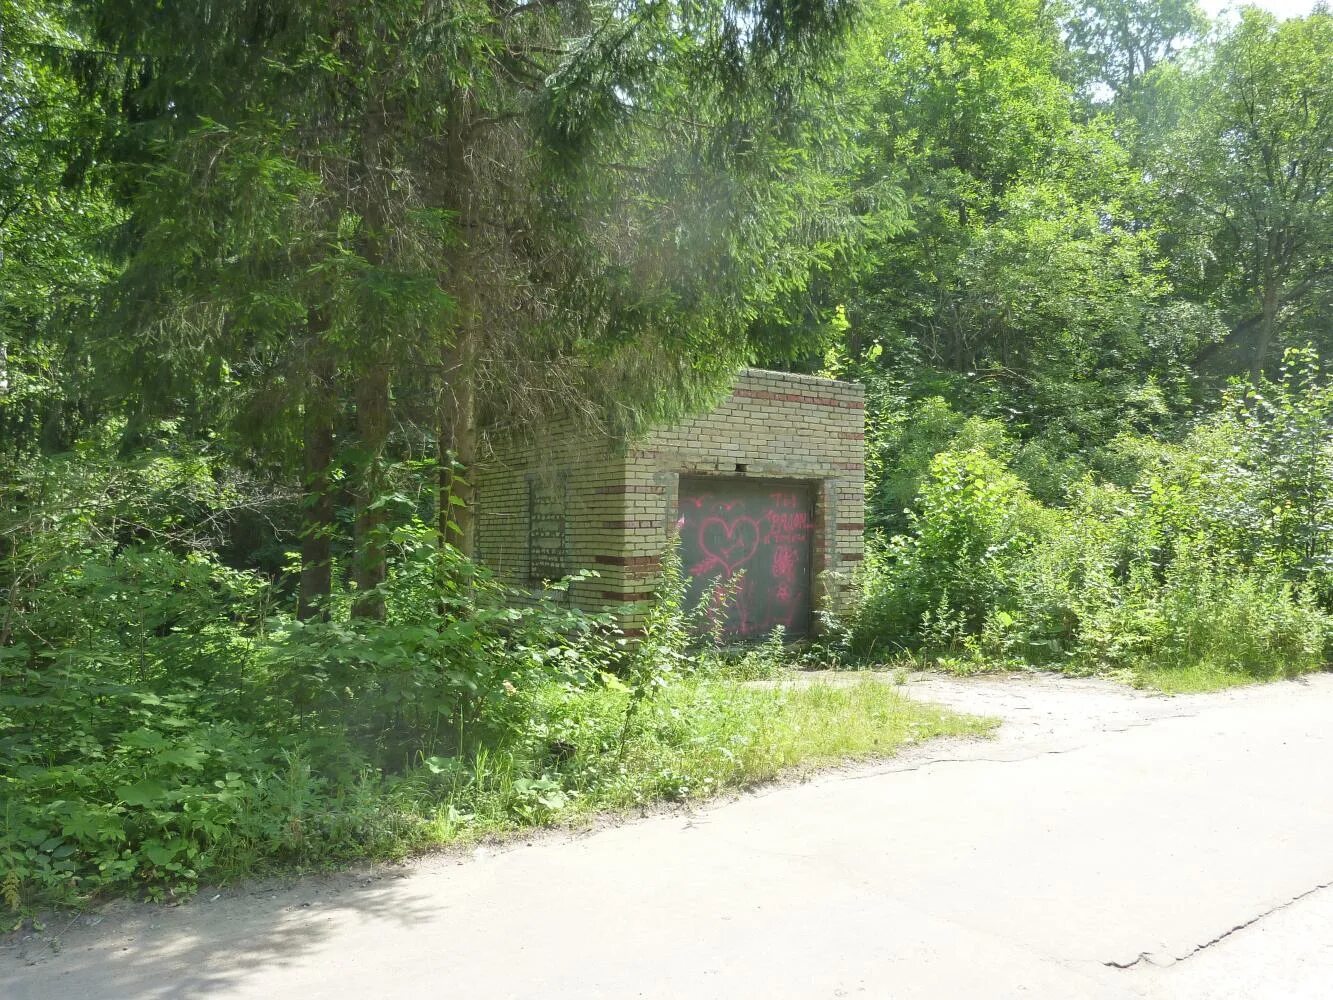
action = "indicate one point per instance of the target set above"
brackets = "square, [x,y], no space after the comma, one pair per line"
[770,482]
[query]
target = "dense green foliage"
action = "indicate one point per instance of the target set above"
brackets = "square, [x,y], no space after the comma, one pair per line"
[1212,555]
[1086,449]
[273,275]
[161,711]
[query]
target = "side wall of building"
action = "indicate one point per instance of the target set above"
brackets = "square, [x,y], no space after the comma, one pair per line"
[773,425]
[552,506]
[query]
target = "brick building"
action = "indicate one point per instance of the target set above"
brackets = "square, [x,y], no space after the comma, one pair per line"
[765,494]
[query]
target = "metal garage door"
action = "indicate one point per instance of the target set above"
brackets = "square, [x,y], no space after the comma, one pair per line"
[756,536]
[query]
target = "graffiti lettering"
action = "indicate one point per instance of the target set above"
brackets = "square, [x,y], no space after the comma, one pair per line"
[788,524]
[784,562]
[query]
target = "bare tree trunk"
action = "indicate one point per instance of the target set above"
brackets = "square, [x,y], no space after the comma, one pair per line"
[463,484]
[444,472]
[369,569]
[457,447]
[1267,326]
[458,417]
[370,554]
[317,508]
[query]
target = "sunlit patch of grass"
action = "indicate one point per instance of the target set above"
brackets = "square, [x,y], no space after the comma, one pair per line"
[1201,678]
[720,735]
[697,738]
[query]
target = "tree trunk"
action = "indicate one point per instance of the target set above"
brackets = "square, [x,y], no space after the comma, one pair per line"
[444,474]
[370,554]
[369,568]
[457,448]
[464,486]
[317,508]
[458,417]
[1267,326]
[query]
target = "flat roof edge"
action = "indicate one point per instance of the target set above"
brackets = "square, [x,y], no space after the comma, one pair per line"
[799,377]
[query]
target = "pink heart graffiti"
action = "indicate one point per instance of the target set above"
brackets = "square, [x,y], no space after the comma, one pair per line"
[729,545]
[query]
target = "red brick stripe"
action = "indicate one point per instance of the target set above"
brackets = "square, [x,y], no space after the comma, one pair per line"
[627,560]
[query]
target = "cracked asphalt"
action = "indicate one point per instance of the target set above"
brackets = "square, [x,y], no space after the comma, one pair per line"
[1106,843]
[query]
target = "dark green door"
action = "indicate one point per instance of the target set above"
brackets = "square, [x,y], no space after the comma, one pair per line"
[752,539]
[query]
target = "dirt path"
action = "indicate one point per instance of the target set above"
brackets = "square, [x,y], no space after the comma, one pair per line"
[1107,843]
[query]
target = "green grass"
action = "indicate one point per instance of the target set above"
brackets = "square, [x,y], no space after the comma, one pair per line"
[696,739]
[1196,677]
[1201,678]
[706,735]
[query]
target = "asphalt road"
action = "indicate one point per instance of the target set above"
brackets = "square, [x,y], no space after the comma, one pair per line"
[1105,844]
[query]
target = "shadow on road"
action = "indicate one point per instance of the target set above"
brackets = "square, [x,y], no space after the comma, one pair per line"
[209,947]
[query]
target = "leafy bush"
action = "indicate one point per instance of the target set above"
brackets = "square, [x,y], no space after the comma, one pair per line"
[904,439]
[164,717]
[1233,620]
[1213,554]
[973,521]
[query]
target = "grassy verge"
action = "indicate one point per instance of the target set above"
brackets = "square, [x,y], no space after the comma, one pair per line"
[705,736]
[570,755]
[1201,678]
[1188,678]
[696,739]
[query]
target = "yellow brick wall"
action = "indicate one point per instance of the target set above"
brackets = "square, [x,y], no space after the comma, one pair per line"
[590,471]
[622,498]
